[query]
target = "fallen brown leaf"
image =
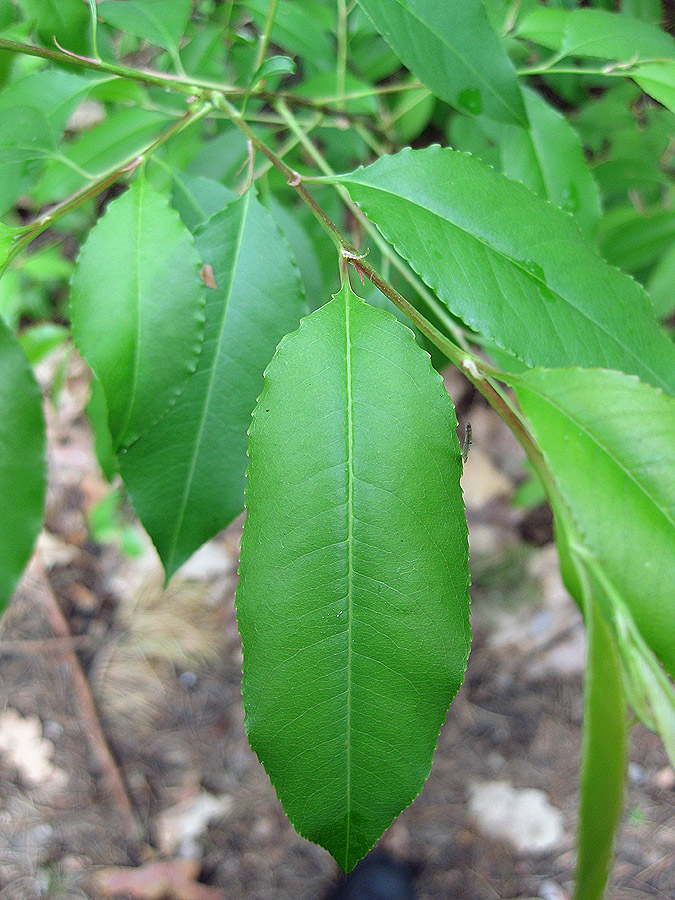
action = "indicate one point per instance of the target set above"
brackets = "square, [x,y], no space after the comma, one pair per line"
[164,879]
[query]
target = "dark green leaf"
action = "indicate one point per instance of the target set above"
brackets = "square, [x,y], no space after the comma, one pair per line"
[453,50]
[513,267]
[661,284]
[185,475]
[634,239]
[22,463]
[138,308]
[273,65]
[353,601]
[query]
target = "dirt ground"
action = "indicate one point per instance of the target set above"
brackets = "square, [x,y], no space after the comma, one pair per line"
[184,801]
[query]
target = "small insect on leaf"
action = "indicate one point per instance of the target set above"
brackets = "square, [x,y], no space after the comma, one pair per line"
[466,446]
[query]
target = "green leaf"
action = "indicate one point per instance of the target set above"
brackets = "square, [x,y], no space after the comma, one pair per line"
[155,21]
[185,476]
[651,693]
[353,601]
[97,413]
[39,341]
[634,239]
[658,80]
[301,29]
[512,266]
[603,757]
[65,20]
[549,159]
[54,92]
[453,50]
[597,34]
[609,437]
[138,308]
[23,463]
[25,134]
[273,65]
[125,132]
[197,198]
[661,284]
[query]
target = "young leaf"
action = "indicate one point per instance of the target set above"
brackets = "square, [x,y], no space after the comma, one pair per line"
[22,463]
[453,50]
[155,21]
[185,475]
[353,602]
[512,266]
[603,757]
[609,437]
[138,308]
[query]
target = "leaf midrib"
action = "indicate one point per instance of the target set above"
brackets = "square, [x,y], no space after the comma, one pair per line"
[489,247]
[350,554]
[209,390]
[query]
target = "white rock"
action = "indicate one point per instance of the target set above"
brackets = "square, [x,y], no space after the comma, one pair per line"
[180,826]
[523,818]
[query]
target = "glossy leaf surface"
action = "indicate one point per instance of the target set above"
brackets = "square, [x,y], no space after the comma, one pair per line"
[453,50]
[538,290]
[609,437]
[353,601]
[23,463]
[185,475]
[138,308]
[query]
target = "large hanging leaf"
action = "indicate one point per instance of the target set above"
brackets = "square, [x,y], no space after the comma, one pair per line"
[353,601]
[609,441]
[453,50]
[138,308]
[603,757]
[185,475]
[512,266]
[22,463]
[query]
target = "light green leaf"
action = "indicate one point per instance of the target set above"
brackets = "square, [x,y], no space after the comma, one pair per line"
[54,92]
[651,693]
[25,134]
[603,757]
[185,476]
[661,284]
[97,413]
[549,159]
[512,266]
[658,80]
[453,50]
[597,34]
[198,198]
[138,308]
[634,239]
[65,20]
[23,463]
[609,437]
[155,21]
[353,601]
[126,131]
[273,65]
[38,341]
[648,10]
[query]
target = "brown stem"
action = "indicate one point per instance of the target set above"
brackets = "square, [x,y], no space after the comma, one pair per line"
[90,720]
